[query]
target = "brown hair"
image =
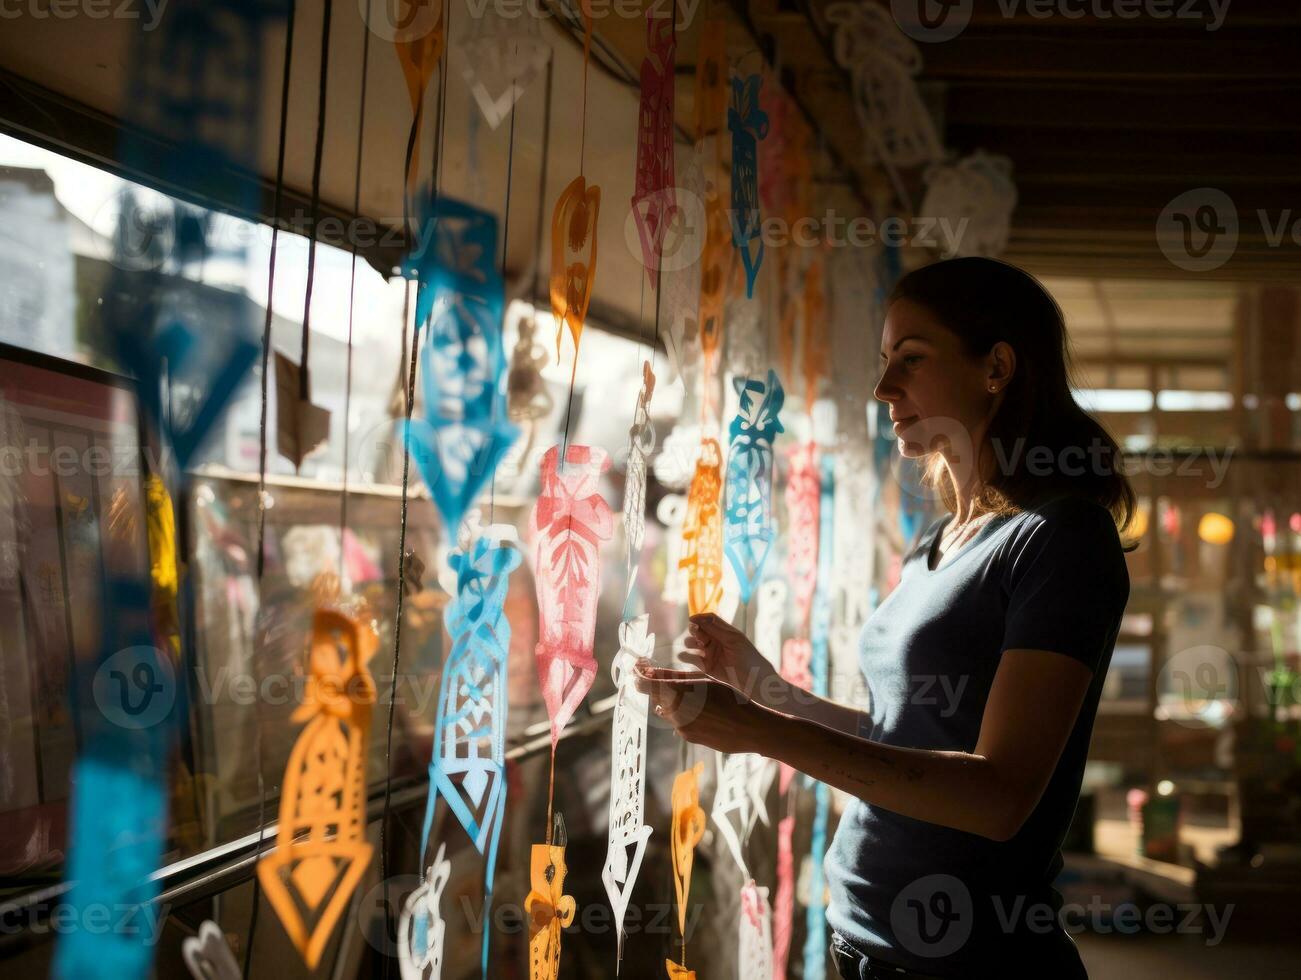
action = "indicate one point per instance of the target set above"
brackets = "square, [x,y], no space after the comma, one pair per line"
[984,301]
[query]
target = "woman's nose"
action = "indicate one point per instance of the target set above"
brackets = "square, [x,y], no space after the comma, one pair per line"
[886,390]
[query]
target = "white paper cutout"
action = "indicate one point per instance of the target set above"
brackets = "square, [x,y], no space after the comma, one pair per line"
[683,247]
[628,833]
[675,464]
[769,619]
[421,912]
[755,958]
[883,61]
[671,512]
[975,196]
[641,443]
[503,57]
[207,955]
[739,800]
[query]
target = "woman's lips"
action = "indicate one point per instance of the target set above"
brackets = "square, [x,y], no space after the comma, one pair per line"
[902,424]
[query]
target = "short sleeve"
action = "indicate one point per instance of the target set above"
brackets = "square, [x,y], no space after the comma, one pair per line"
[1066,582]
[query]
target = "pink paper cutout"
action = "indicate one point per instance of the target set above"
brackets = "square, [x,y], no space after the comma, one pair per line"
[797,655]
[784,905]
[569,522]
[653,201]
[803,489]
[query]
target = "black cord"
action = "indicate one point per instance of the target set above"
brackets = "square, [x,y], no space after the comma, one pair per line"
[316,197]
[262,461]
[352,289]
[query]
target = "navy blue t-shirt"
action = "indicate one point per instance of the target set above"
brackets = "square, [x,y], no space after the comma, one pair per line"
[927,897]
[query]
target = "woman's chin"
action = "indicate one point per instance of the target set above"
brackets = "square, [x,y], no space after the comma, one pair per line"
[909,449]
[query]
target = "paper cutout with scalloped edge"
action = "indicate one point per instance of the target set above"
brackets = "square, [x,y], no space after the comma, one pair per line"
[754,956]
[464,433]
[688,829]
[547,906]
[882,61]
[309,879]
[301,427]
[671,511]
[573,257]
[748,523]
[975,196]
[641,443]
[503,57]
[702,531]
[654,203]
[418,38]
[468,764]
[709,107]
[570,521]
[784,903]
[421,929]
[628,833]
[207,955]
[748,124]
[528,398]
[802,499]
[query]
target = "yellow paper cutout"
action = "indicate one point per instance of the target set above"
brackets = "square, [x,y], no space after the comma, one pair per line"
[418,38]
[688,829]
[702,531]
[548,907]
[310,879]
[710,104]
[679,972]
[573,257]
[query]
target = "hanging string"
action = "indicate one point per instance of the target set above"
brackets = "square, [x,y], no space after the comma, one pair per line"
[316,197]
[505,247]
[352,293]
[260,560]
[406,475]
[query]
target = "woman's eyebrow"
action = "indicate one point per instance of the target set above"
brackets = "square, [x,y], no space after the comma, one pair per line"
[911,336]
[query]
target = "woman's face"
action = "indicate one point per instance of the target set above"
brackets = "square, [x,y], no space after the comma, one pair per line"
[939,397]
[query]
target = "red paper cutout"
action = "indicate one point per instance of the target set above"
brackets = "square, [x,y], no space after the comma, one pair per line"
[653,202]
[570,521]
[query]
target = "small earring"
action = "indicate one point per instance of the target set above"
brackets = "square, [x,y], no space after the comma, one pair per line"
[993,389]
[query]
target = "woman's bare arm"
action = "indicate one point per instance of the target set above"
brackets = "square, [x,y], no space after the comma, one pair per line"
[1031,709]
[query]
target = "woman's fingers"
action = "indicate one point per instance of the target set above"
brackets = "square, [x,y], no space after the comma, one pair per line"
[696,660]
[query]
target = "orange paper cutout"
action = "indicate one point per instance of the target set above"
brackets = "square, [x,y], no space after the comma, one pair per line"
[710,104]
[702,531]
[310,879]
[418,38]
[549,909]
[688,829]
[573,257]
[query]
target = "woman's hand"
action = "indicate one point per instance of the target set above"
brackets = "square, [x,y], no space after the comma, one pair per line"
[703,711]
[727,655]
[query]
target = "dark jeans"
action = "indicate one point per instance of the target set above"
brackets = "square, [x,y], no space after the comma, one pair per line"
[853,965]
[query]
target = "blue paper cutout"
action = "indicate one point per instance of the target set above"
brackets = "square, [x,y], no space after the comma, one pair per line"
[472,704]
[119,801]
[748,529]
[465,431]
[815,945]
[748,124]
[195,82]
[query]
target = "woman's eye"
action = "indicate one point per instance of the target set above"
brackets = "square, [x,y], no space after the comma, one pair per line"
[912,360]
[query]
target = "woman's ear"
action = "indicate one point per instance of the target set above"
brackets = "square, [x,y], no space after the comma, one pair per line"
[1001,366]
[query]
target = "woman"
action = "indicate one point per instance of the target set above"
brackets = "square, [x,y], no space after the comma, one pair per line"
[984,664]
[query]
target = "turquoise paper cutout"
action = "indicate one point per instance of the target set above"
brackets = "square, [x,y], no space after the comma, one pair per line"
[748,529]
[464,433]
